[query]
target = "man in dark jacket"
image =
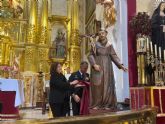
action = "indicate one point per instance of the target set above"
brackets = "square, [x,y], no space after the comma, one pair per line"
[80,75]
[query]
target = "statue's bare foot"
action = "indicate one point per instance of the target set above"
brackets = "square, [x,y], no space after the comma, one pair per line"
[95,108]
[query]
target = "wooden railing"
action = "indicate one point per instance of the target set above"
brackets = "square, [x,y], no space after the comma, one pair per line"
[145,116]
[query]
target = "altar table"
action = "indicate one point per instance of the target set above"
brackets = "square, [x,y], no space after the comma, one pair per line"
[11,97]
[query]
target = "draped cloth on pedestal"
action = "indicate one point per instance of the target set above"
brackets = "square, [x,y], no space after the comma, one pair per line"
[84,105]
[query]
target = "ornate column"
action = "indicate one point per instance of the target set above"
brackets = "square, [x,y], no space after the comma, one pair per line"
[75,56]
[42,52]
[5,47]
[43,47]
[69,15]
[30,49]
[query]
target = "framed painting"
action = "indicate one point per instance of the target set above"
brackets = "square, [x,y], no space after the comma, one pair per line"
[58,38]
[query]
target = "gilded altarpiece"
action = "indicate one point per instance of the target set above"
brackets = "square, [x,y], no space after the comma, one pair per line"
[25,41]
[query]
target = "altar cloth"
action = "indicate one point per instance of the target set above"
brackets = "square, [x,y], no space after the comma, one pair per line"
[13,85]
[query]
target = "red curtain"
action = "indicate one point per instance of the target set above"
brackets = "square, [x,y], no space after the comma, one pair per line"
[132,61]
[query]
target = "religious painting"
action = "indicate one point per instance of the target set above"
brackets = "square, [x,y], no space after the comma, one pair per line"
[58,41]
[90,8]
[11,8]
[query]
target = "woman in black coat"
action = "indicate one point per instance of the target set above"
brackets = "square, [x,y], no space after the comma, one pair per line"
[58,88]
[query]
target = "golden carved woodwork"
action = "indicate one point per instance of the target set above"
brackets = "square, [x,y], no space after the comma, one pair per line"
[145,116]
[32,40]
[75,56]
[32,25]
[39,87]
[43,53]
[75,38]
[30,58]
[44,23]
[5,47]
[62,20]
[43,64]
[59,19]
[31,36]
[44,35]
[28,79]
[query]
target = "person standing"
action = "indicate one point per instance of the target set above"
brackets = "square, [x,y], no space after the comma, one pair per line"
[80,75]
[158,27]
[103,94]
[58,88]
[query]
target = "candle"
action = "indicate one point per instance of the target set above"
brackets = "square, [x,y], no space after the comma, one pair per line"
[142,43]
[164,55]
[160,53]
[151,47]
[147,44]
[40,67]
[155,50]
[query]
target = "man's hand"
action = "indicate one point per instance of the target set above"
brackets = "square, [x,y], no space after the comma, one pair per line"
[76,98]
[97,67]
[124,68]
[79,85]
[74,82]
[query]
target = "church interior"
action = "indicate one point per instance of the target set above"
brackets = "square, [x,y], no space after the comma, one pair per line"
[34,34]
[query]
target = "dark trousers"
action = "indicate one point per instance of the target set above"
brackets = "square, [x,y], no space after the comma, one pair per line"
[0,107]
[75,107]
[58,109]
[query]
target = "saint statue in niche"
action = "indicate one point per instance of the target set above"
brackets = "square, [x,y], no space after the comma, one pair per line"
[60,44]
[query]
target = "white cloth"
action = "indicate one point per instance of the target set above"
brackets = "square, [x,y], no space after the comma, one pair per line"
[67,76]
[13,85]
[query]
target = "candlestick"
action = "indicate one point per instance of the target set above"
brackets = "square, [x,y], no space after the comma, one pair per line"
[160,53]
[151,47]
[155,50]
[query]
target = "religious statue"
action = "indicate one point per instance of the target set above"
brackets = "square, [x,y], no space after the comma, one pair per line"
[60,44]
[16,66]
[158,26]
[103,94]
